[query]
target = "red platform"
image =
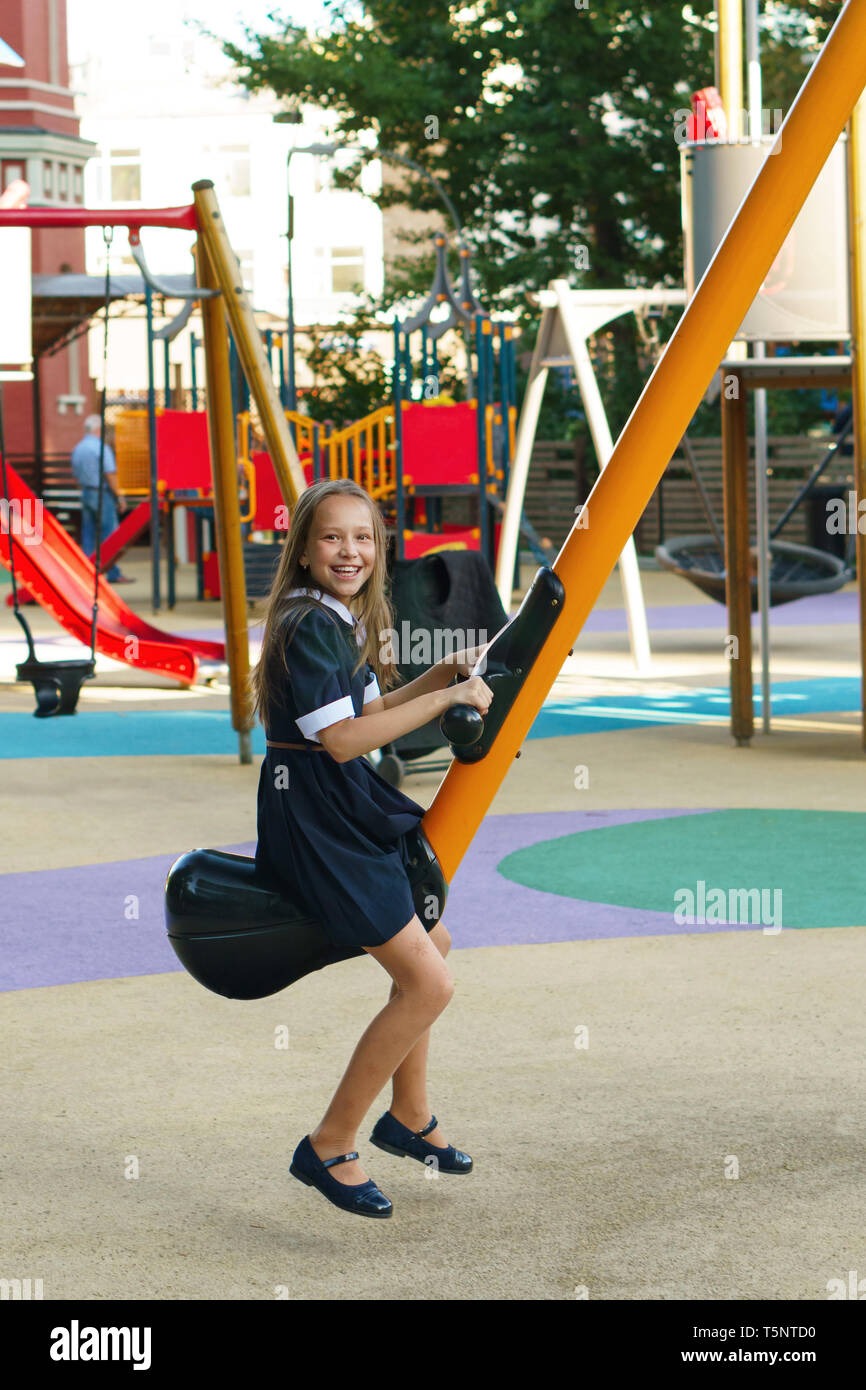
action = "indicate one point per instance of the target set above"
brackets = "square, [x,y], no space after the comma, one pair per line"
[451,537]
[440,444]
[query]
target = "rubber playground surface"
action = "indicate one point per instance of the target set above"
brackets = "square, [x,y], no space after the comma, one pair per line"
[653,1051]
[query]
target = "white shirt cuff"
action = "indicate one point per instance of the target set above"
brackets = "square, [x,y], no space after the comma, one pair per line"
[309,724]
[371,690]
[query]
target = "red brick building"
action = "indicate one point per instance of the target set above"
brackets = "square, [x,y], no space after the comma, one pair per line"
[39,142]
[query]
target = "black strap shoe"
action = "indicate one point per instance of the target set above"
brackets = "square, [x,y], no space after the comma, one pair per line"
[363,1198]
[394,1138]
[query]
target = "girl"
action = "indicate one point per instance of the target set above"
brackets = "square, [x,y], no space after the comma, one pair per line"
[334,831]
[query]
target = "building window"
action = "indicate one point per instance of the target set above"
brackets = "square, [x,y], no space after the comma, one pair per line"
[125,176]
[48,179]
[78,184]
[63,181]
[347,269]
[237,170]
[245,260]
[321,176]
[10,171]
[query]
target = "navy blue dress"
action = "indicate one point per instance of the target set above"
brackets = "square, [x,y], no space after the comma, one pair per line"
[333,833]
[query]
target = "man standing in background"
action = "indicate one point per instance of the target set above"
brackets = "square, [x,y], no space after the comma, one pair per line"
[85,466]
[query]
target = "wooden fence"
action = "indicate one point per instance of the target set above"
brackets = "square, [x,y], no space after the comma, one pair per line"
[560,479]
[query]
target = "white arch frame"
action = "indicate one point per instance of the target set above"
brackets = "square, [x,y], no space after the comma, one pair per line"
[570,317]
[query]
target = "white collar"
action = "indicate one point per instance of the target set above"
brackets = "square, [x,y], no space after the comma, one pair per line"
[338,606]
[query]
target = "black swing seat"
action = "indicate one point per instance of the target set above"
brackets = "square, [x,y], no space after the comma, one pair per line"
[796,571]
[239,933]
[57,684]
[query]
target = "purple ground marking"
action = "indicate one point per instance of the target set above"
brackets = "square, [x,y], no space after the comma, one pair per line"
[60,926]
[486,909]
[63,926]
[821,610]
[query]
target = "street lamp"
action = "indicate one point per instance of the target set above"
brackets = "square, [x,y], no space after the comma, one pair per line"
[292,117]
[372,152]
[375,152]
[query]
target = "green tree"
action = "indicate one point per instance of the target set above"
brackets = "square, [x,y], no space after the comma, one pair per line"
[551,126]
[349,378]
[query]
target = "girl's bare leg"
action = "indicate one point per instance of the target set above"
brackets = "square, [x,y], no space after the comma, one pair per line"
[423,988]
[409,1103]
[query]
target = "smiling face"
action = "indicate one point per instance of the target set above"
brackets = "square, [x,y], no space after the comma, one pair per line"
[341,546]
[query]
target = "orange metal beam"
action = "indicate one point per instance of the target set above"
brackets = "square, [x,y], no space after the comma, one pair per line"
[670,398]
[857,186]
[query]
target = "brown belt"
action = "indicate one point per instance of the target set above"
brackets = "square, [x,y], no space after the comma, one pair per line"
[314,748]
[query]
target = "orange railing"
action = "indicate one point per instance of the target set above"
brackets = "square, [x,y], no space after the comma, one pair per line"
[494,417]
[304,428]
[371,444]
[366,449]
[132,452]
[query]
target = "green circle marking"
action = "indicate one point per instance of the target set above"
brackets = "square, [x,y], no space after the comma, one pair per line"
[814,859]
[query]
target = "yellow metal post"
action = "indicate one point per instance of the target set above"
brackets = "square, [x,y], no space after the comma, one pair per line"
[281,448]
[670,398]
[857,187]
[221,432]
[730,21]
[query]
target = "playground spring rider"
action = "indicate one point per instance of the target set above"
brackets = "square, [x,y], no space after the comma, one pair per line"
[240,935]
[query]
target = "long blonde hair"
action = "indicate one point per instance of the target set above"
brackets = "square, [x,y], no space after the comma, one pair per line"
[281,614]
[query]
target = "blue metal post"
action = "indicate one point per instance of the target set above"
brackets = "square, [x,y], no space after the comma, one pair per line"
[505,401]
[151,433]
[290,321]
[233,368]
[481,434]
[193,346]
[398,439]
[407,358]
[240,390]
[281,369]
[245,390]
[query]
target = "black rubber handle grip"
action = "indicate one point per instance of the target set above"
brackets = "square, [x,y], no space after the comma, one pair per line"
[462,725]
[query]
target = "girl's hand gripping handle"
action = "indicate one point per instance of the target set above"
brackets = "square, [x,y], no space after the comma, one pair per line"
[462,722]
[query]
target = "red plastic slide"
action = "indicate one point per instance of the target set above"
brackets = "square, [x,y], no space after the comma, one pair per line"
[129,528]
[60,576]
[120,539]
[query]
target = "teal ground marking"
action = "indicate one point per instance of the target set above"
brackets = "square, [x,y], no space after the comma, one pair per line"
[558,716]
[150,733]
[813,859]
[118,734]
